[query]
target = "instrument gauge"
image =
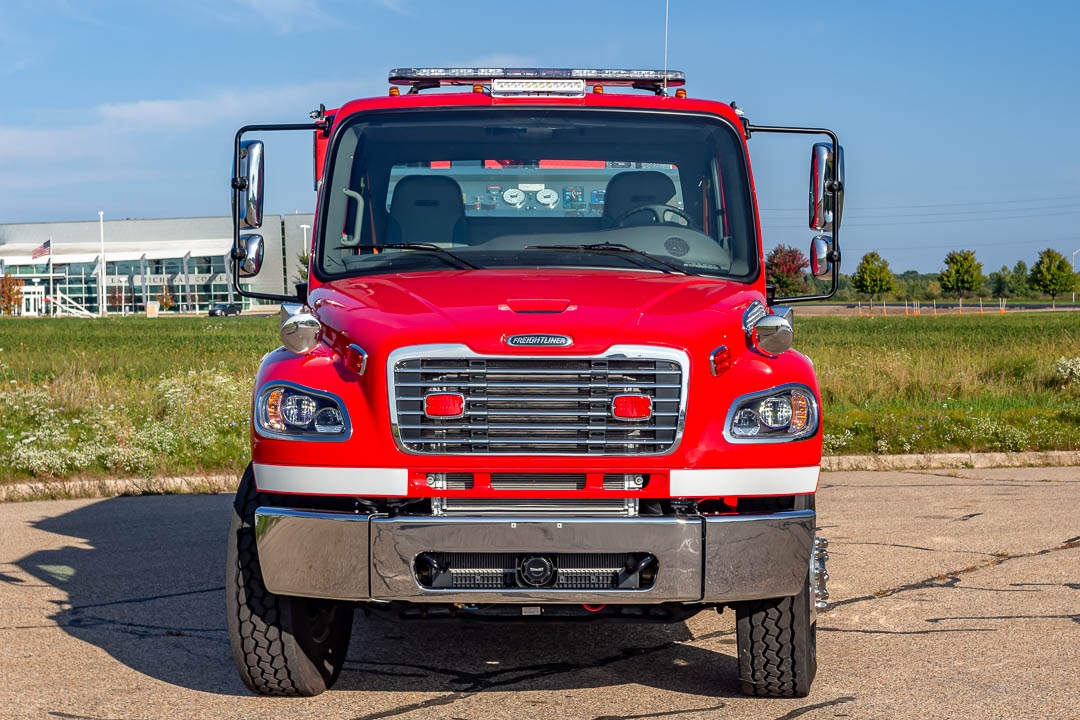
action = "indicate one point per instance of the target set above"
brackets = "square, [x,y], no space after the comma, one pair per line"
[547,197]
[515,197]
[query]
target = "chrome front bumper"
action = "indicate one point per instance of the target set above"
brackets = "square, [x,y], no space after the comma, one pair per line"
[372,557]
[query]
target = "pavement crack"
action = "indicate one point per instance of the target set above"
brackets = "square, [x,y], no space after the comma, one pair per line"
[797,712]
[1074,618]
[862,631]
[952,578]
[665,713]
[148,598]
[431,702]
[965,518]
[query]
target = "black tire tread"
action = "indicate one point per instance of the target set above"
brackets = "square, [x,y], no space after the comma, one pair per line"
[264,649]
[776,645]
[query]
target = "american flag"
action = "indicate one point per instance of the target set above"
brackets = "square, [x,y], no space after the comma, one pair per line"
[42,250]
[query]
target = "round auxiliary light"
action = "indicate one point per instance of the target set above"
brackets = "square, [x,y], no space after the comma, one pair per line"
[772,335]
[298,410]
[300,333]
[775,412]
[745,423]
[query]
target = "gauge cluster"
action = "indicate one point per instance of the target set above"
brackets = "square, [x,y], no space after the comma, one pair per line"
[572,198]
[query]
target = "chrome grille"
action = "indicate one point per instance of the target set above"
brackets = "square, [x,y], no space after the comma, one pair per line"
[537,406]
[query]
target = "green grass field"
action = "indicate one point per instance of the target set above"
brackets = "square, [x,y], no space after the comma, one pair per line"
[170,396]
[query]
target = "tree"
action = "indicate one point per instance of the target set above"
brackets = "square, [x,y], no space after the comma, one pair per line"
[873,276]
[304,260]
[962,274]
[166,298]
[784,268]
[1020,279]
[1051,275]
[10,295]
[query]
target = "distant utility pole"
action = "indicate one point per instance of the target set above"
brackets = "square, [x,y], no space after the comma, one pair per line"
[1072,264]
[101,281]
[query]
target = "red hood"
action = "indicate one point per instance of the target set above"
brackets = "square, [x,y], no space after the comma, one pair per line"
[481,308]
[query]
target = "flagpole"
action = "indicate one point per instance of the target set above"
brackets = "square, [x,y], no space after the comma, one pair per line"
[101,287]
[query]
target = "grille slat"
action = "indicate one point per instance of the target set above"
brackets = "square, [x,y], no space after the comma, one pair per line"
[538,406]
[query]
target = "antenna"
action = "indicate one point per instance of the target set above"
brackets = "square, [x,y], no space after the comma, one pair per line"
[667,7]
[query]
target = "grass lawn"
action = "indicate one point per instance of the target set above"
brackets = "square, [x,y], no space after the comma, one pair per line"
[170,396]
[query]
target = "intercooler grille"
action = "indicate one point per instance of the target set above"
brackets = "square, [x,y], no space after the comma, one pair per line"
[537,406]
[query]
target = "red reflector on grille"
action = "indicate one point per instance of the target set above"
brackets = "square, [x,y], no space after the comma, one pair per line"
[632,407]
[444,405]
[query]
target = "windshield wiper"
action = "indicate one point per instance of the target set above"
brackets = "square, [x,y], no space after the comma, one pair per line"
[443,253]
[607,248]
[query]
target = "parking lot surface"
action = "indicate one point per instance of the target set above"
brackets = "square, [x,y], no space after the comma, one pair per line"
[955,594]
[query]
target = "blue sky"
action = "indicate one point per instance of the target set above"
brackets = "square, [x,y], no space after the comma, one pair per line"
[961,120]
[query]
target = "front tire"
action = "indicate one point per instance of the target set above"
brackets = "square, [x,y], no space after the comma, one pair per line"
[777,644]
[281,645]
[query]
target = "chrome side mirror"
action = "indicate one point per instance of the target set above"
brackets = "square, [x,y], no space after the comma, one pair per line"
[248,205]
[826,187]
[249,253]
[822,258]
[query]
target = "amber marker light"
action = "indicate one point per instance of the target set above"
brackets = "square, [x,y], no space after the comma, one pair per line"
[394,91]
[478,88]
[274,419]
[800,412]
[681,93]
[598,89]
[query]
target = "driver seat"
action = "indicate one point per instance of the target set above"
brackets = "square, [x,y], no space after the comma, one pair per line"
[635,188]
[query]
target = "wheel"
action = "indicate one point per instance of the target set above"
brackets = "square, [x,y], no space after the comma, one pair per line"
[659,213]
[281,645]
[777,644]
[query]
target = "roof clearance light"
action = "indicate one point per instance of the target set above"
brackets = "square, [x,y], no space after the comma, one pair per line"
[680,93]
[395,91]
[598,89]
[510,87]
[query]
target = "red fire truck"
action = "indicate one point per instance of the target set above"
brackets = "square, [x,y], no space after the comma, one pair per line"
[536,374]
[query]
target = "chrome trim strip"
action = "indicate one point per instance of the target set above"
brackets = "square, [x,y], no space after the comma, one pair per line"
[622,352]
[312,480]
[744,481]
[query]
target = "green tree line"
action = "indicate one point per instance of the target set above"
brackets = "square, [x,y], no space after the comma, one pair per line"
[961,277]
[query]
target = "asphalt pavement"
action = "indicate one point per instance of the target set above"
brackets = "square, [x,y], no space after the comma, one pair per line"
[956,594]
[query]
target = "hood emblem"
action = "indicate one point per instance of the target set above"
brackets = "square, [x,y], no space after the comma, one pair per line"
[539,340]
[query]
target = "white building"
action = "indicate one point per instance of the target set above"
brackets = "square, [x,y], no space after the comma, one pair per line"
[145,260]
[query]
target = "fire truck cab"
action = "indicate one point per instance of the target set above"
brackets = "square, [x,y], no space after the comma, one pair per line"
[536,374]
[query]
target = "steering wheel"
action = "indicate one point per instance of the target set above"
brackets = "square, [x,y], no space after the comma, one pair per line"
[659,212]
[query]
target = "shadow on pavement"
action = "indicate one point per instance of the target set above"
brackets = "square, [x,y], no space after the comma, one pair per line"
[144,581]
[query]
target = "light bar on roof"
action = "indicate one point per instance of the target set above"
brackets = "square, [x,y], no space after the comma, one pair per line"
[510,87]
[468,76]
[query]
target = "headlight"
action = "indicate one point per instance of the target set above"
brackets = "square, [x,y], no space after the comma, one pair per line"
[788,412]
[292,412]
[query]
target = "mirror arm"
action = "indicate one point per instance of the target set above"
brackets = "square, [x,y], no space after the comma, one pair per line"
[239,183]
[834,185]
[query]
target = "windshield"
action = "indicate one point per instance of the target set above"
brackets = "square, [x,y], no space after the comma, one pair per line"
[652,192]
